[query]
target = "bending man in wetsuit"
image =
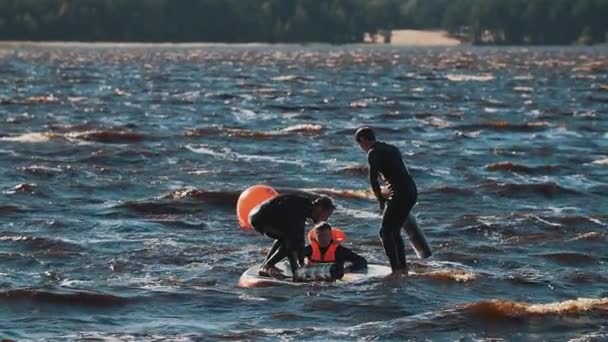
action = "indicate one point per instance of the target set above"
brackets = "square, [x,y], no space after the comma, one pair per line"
[386,159]
[283,218]
[323,248]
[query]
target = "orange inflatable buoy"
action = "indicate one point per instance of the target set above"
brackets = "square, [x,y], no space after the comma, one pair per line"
[251,198]
[337,234]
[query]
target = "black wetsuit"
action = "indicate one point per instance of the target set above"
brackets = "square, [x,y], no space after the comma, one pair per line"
[283,218]
[343,255]
[386,159]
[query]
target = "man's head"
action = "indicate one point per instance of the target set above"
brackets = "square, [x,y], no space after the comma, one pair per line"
[322,208]
[365,137]
[322,233]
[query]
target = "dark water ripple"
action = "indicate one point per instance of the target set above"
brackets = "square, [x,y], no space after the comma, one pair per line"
[121,166]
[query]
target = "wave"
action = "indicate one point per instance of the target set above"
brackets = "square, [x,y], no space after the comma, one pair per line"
[528,276]
[306,129]
[508,166]
[593,66]
[534,237]
[477,315]
[45,99]
[227,153]
[342,193]
[355,170]
[9,209]
[548,189]
[25,188]
[42,244]
[460,276]
[302,109]
[469,78]
[523,78]
[579,219]
[466,316]
[25,259]
[104,136]
[222,197]
[107,136]
[503,126]
[594,336]
[600,87]
[569,258]
[452,190]
[287,78]
[523,90]
[77,99]
[603,162]
[177,221]
[597,99]
[41,170]
[420,76]
[505,309]
[433,121]
[228,131]
[159,207]
[72,298]
[221,96]
[586,278]
[590,236]
[493,104]
[32,137]
[463,258]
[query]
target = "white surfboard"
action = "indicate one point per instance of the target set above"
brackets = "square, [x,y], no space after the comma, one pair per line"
[250,278]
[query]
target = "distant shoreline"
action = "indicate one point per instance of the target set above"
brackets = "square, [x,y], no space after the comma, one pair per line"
[134,44]
[418,38]
[398,38]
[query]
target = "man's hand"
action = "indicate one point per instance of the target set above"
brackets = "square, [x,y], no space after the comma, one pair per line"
[276,273]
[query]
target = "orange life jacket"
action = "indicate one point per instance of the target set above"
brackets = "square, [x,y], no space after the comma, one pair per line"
[328,256]
[337,236]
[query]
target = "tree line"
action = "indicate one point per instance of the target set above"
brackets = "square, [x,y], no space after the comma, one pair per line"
[332,21]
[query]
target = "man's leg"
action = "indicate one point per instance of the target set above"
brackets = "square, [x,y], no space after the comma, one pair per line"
[276,254]
[273,250]
[295,251]
[390,233]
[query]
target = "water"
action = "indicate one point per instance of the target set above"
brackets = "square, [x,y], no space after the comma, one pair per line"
[120,169]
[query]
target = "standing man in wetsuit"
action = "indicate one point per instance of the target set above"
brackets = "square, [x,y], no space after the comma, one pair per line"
[283,218]
[386,159]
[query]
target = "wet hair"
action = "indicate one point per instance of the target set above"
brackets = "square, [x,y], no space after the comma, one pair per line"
[365,133]
[321,227]
[324,202]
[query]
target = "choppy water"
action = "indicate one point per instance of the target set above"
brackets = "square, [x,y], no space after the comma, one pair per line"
[120,168]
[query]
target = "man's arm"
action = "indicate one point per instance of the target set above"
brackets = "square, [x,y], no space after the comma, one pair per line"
[373,177]
[356,261]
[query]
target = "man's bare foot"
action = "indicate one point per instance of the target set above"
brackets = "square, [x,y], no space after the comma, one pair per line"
[397,274]
[271,272]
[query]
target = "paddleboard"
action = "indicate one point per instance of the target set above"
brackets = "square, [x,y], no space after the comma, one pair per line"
[250,277]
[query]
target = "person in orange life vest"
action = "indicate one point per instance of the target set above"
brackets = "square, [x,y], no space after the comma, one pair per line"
[323,248]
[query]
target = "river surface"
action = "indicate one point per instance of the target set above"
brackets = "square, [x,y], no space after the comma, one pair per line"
[120,168]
